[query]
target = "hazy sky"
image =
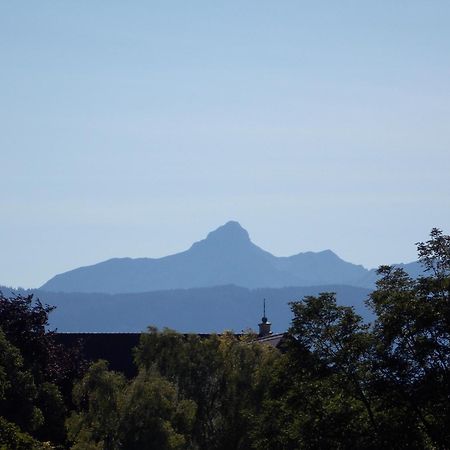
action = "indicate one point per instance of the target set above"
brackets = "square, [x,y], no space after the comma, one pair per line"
[134,128]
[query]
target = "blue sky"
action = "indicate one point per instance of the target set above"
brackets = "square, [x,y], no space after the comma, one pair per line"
[134,128]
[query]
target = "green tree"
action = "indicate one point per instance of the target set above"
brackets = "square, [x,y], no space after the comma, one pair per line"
[96,396]
[153,416]
[13,438]
[18,392]
[270,413]
[36,401]
[196,367]
[347,384]
[413,335]
[331,357]
[223,375]
[24,322]
[115,414]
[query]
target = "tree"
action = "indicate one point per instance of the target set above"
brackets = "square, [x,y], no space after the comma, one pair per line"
[115,414]
[18,392]
[412,329]
[96,398]
[45,371]
[13,438]
[195,366]
[330,358]
[223,375]
[25,322]
[154,415]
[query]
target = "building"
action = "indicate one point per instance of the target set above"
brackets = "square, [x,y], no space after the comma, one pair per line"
[117,348]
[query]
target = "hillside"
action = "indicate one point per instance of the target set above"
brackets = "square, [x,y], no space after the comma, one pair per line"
[200,310]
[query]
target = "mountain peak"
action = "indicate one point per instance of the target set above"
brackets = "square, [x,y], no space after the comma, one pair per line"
[226,256]
[231,231]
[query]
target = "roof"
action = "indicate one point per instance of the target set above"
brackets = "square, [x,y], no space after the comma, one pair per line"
[273,340]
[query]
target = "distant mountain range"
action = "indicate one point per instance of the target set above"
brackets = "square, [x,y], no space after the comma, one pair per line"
[226,257]
[198,310]
[217,284]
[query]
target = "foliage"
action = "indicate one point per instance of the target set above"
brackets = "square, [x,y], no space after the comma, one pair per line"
[24,321]
[331,374]
[221,374]
[97,396]
[380,385]
[18,392]
[113,413]
[12,438]
[413,335]
[35,372]
[18,402]
[153,415]
[333,399]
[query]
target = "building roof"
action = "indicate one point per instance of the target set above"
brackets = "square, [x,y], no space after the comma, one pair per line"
[273,340]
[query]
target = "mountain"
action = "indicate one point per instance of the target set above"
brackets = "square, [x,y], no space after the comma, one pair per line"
[199,310]
[226,256]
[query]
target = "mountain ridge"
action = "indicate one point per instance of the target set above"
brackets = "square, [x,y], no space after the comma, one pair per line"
[226,256]
[199,310]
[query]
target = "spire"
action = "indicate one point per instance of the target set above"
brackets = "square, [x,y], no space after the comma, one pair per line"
[264,326]
[264,318]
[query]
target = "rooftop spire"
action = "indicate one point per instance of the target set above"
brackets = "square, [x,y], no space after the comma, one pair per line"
[264,326]
[264,318]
